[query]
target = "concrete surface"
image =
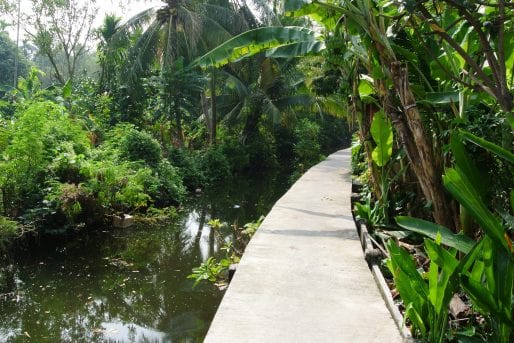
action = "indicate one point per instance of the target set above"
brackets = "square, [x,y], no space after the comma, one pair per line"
[303,277]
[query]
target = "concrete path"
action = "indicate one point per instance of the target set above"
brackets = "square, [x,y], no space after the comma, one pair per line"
[303,277]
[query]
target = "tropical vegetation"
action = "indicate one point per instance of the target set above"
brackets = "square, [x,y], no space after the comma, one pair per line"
[84,148]
[195,92]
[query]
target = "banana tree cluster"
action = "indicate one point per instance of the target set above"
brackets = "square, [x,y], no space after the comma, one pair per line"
[418,76]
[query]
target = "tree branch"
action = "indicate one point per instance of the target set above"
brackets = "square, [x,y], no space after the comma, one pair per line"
[488,50]
[456,46]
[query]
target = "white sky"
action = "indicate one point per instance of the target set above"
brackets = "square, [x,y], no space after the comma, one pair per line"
[123,8]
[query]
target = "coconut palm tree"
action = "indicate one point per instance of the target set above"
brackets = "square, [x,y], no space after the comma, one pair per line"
[180,29]
[112,49]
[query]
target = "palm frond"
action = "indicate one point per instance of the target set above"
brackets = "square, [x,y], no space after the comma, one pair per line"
[295,100]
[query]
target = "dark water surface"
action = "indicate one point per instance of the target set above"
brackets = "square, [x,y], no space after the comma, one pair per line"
[128,285]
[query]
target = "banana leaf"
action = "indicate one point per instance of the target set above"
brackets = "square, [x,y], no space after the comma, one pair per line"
[290,41]
[431,230]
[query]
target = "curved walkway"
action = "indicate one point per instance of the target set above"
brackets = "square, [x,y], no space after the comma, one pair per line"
[303,277]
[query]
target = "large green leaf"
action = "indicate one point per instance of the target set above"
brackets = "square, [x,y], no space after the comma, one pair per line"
[491,147]
[462,190]
[325,14]
[466,164]
[431,230]
[297,41]
[479,294]
[443,283]
[441,98]
[365,88]
[295,49]
[382,133]
[67,89]
[411,285]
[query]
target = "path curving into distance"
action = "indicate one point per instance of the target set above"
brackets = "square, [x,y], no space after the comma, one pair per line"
[303,277]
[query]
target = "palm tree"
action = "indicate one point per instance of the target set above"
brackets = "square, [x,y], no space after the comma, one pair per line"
[179,29]
[111,51]
[272,93]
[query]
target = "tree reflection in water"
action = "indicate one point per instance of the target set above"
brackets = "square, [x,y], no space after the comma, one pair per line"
[127,285]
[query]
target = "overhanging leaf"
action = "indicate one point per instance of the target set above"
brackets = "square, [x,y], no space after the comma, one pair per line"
[441,98]
[429,229]
[491,147]
[461,189]
[294,40]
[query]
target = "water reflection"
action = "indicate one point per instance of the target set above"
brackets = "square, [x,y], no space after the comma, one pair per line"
[128,285]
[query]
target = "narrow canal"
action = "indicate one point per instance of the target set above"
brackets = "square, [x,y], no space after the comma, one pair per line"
[128,285]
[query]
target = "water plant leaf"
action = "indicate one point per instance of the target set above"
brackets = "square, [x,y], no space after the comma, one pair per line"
[430,229]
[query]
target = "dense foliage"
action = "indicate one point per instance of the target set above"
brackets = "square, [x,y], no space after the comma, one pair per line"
[150,126]
[428,85]
[431,87]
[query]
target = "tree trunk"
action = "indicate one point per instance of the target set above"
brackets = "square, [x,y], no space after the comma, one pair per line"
[214,119]
[365,116]
[419,148]
[252,119]
[178,121]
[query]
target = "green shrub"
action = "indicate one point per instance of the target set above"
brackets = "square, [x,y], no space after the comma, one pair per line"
[261,152]
[140,146]
[188,165]
[307,149]
[334,134]
[171,188]
[120,186]
[8,229]
[41,131]
[215,166]
[236,154]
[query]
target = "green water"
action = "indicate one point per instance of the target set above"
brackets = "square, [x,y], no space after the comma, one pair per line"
[127,285]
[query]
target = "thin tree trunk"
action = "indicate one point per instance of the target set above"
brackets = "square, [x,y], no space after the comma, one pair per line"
[206,115]
[214,119]
[178,121]
[365,117]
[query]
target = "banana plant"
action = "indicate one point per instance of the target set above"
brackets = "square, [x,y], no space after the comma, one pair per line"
[426,296]
[289,41]
[489,276]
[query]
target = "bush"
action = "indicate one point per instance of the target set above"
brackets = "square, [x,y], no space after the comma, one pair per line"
[140,146]
[334,134]
[307,149]
[188,165]
[236,154]
[261,152]
[120,186]
[215,166]
[8,229]
[40,132]
[171,189]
